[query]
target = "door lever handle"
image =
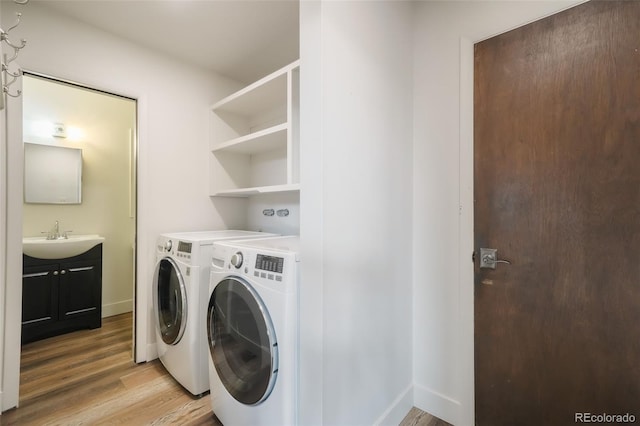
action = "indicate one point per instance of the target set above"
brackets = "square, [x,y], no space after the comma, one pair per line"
[489,258]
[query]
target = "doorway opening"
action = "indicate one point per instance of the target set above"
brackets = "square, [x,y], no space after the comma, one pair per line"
[103,127]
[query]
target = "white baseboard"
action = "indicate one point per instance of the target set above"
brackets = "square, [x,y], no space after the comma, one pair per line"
[398,409]
[437,404]
[117,308]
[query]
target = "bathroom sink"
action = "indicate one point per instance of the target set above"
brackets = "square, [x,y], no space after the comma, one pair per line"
[59,248]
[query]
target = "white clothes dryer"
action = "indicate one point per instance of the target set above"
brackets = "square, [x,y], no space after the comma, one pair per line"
[180,295]
[252,331]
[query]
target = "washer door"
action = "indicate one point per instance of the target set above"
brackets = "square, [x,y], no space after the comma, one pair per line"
[242,341]
[170,301]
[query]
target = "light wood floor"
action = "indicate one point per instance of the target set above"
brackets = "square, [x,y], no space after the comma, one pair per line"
[418,417]
[88,378]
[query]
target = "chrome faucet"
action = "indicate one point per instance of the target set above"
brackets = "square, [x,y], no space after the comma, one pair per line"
[54,234]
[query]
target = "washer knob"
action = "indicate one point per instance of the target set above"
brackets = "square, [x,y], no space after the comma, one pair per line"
[168,245]
[236,260]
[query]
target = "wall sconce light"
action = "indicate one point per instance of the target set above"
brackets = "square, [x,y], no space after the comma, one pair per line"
[59,130]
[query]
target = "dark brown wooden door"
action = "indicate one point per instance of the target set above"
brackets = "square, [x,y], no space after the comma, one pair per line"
[557,193]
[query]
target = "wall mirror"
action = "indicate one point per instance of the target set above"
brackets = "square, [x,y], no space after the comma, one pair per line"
[52,174]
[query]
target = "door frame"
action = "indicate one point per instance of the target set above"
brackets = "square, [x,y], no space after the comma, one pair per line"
[466,233]
[10,333]
[11,234]
[466,342]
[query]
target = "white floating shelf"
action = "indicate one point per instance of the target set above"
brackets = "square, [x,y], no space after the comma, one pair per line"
[263,94]
[247,192]
[254,141]
[261,141]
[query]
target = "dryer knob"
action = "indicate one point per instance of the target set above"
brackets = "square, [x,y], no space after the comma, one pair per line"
[236,260]
[168,245]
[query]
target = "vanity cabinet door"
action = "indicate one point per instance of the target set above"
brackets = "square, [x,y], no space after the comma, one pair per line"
[39,295]
[81,290]
[61,295]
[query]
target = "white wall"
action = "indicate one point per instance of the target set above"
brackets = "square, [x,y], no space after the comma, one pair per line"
[443,197]
[356,210]
[173,100]
[103,127]
[279,224]
[359,172]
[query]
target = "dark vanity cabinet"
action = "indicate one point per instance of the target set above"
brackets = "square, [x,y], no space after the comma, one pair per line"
[61,295]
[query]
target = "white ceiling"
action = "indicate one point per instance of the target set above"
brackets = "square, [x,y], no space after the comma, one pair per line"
[241,39]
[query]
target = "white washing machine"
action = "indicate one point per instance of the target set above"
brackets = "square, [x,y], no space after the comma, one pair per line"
[180,296]
[252,331]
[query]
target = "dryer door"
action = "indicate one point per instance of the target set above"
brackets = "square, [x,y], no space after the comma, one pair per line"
[169,301]
[242,341]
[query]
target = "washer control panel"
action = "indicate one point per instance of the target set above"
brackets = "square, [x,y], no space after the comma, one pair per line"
[269,263]
[269,267]
[179,249]
[184,250]
[184,247]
